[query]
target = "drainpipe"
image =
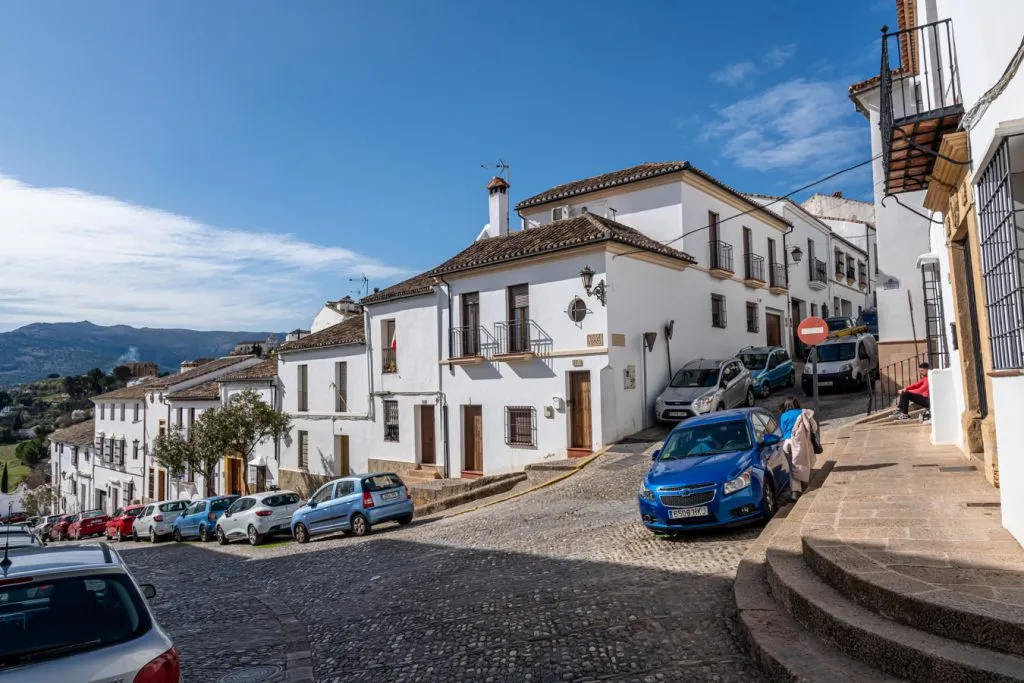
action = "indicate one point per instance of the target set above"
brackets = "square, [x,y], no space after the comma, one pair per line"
[789,292]
[440,378]
[370,407]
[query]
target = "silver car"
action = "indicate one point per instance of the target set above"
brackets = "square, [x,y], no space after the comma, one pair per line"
[258,516]
[702,386]
[74,613]
[157,519]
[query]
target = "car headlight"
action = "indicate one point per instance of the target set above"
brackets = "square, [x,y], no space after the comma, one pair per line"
[845,367]
[645,493]
[807,368]
[659,402]
[738,484]
[703,404]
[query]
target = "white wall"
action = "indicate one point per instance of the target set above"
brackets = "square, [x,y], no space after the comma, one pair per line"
[1007,398]
[326,317]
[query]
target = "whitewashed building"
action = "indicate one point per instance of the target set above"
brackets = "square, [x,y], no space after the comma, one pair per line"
[262,466]
[73,468]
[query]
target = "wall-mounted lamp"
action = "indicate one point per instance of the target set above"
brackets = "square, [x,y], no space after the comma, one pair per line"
[587,276]
[797,253]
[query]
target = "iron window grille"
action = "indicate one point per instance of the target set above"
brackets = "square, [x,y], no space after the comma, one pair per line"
[777,276]
[1001,255]
[934,320]
[752,318]
[391,420]
[303,450]
[819,271]
[753,267]
[720,255]
[718,311]
[122,447]
[520,426]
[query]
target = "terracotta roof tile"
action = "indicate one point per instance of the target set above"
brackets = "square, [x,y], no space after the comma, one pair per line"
[348,331]
[414,286]
[80,434]
[207,391]
[632,175]
[204,369]
[265,370]
[564,234]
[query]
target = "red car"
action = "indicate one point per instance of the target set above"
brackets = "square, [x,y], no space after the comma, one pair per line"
[120,525]
[91,523]
[59,530]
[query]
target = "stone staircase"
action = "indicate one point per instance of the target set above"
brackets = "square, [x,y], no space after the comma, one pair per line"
[891,567]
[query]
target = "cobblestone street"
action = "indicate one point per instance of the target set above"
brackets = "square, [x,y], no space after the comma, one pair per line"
[561,584]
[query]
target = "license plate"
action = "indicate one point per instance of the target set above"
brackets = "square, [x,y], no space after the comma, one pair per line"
[390,495]
[677,413]
[824,384]
[683,513]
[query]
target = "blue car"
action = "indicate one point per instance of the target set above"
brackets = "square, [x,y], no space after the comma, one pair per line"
[353,505]
[770,367]
[199,520]
[717,470]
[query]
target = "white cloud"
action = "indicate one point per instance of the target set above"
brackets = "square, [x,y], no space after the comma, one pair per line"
[733,74]
[799,124]
[778,55]
[70,255]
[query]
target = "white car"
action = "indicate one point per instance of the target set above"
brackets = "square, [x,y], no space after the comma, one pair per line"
[258,516]
[157,519]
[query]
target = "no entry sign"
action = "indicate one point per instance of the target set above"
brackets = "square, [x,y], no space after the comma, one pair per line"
[812,331]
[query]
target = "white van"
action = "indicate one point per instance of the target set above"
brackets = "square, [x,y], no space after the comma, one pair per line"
[843,363]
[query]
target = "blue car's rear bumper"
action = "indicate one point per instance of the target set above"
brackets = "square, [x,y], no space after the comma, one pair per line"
[390,512]
[741,507]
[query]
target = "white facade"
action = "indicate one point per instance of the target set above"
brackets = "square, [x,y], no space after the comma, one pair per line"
[116,477]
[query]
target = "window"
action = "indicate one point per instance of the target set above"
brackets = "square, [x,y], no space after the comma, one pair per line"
[391,420]
[344,488]
[771,251]
[559,212]
[303,388]
[381,482]
[389,347]
[712,226]
[814,310]
[303,450]
[135,450]
[178,413]
[341,387]
[103,411]
[518,318]
[122,412]
[323,494]
[520,426]
[175,506]
[837,307]
[135,412]
[281,499]
[468,340]
[752,318]
[191,418]
[122,447]
[74,456]
[718,311]
[729,372]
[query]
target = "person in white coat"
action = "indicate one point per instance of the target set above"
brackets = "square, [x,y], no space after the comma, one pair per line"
[799,429]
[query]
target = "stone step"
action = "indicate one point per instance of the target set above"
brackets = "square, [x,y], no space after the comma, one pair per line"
[953,614]
[892,647]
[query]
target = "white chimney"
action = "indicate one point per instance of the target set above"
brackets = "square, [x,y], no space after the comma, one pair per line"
[498,205]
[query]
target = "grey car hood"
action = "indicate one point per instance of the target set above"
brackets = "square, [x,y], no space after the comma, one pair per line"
[685,394]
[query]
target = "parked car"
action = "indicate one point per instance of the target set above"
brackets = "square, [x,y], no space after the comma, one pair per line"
[702,386]
[869,319]
[839,323]
[716,470]
[258,516]
[45,524]
[77,614]
[770,368]
[119,526]
[156,520]
[59,530]
[18,535]
[353,505]
[90,523]
[843,363]
[14,518]
[199,520]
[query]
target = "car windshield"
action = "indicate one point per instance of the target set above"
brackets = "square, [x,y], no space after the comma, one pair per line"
[221,504]
[836,324]
[754,361]
[381,482]
[829,353]
[44,619]
[869,318]
[706,439]
[695,377]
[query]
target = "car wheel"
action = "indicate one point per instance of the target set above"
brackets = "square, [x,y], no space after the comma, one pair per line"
[255,538]
[404,521]
[360,525]
[750,396]
[152,535]
[221,538]
[204,536]
[176,535]
[791,380]
[120,536]
[766,391]
[135,536]
[301,533]
[770,506]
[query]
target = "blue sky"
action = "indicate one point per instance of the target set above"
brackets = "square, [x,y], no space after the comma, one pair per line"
[233,164]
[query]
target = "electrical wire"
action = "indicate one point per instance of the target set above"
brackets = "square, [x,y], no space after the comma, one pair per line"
[798,190]
[910,209]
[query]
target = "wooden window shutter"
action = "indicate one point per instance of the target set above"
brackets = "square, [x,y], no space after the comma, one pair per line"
[519,296]
[341,386]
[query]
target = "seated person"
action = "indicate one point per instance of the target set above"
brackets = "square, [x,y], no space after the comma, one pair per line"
[916,393]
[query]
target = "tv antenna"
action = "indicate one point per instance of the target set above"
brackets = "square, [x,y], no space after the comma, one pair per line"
[501,167]
[364,284]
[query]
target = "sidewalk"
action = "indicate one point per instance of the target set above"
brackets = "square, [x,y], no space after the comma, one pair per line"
[896,565]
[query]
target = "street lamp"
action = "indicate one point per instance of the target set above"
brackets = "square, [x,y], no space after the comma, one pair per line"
[587,277]
[797,253]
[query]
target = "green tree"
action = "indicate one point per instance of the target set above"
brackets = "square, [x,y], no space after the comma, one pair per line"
[202,450]
[122,373]
[94,377]
[30,452]
[247,421]
[3,479]
[38,501]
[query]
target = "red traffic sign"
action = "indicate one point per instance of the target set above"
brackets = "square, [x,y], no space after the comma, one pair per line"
[812,331]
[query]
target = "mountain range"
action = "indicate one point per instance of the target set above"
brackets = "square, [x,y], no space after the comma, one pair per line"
[34,351]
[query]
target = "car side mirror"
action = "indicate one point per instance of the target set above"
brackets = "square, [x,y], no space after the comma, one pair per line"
[311,503]
[655,454]
[148,590]
[227,513]
[770,439]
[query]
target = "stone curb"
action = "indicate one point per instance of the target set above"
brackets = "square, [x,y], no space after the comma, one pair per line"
[298,655]
[491,489]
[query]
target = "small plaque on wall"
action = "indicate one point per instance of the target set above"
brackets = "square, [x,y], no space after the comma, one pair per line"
[618,340]
[595,339]
[577,362]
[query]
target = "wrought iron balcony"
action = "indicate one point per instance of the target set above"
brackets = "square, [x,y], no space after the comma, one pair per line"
[753,268]
[720,256]
[818,271]
[919,101]
[851,274]
[467,341]
[516,338]
[388,360]
[777,276]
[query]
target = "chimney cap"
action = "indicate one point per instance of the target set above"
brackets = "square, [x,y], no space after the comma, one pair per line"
[497,184]
[838,194]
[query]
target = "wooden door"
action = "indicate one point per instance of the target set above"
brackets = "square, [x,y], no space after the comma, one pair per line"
[161,478]
[797,316]
[233,483]
[115,500]
[773,327]
[427,445]
[579,410]
[473,438]
[341,466]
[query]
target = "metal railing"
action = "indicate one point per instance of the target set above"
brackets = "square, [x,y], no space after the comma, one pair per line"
[891,379]
[851,274]
[777,276]
[467,341]
[388,360]
[753,267]
[720,255]
[514,336]
[839,269]
[818,270]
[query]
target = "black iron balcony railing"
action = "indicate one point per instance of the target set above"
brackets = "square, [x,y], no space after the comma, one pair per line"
[777,276]
[467,341]
[720,254]
[862,276]
[753,267]
[919,101]
[851,274]
[839,269]
[388,360]
[818,270]
[515,336]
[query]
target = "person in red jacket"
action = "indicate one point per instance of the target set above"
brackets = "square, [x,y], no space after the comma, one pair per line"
[916,393]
